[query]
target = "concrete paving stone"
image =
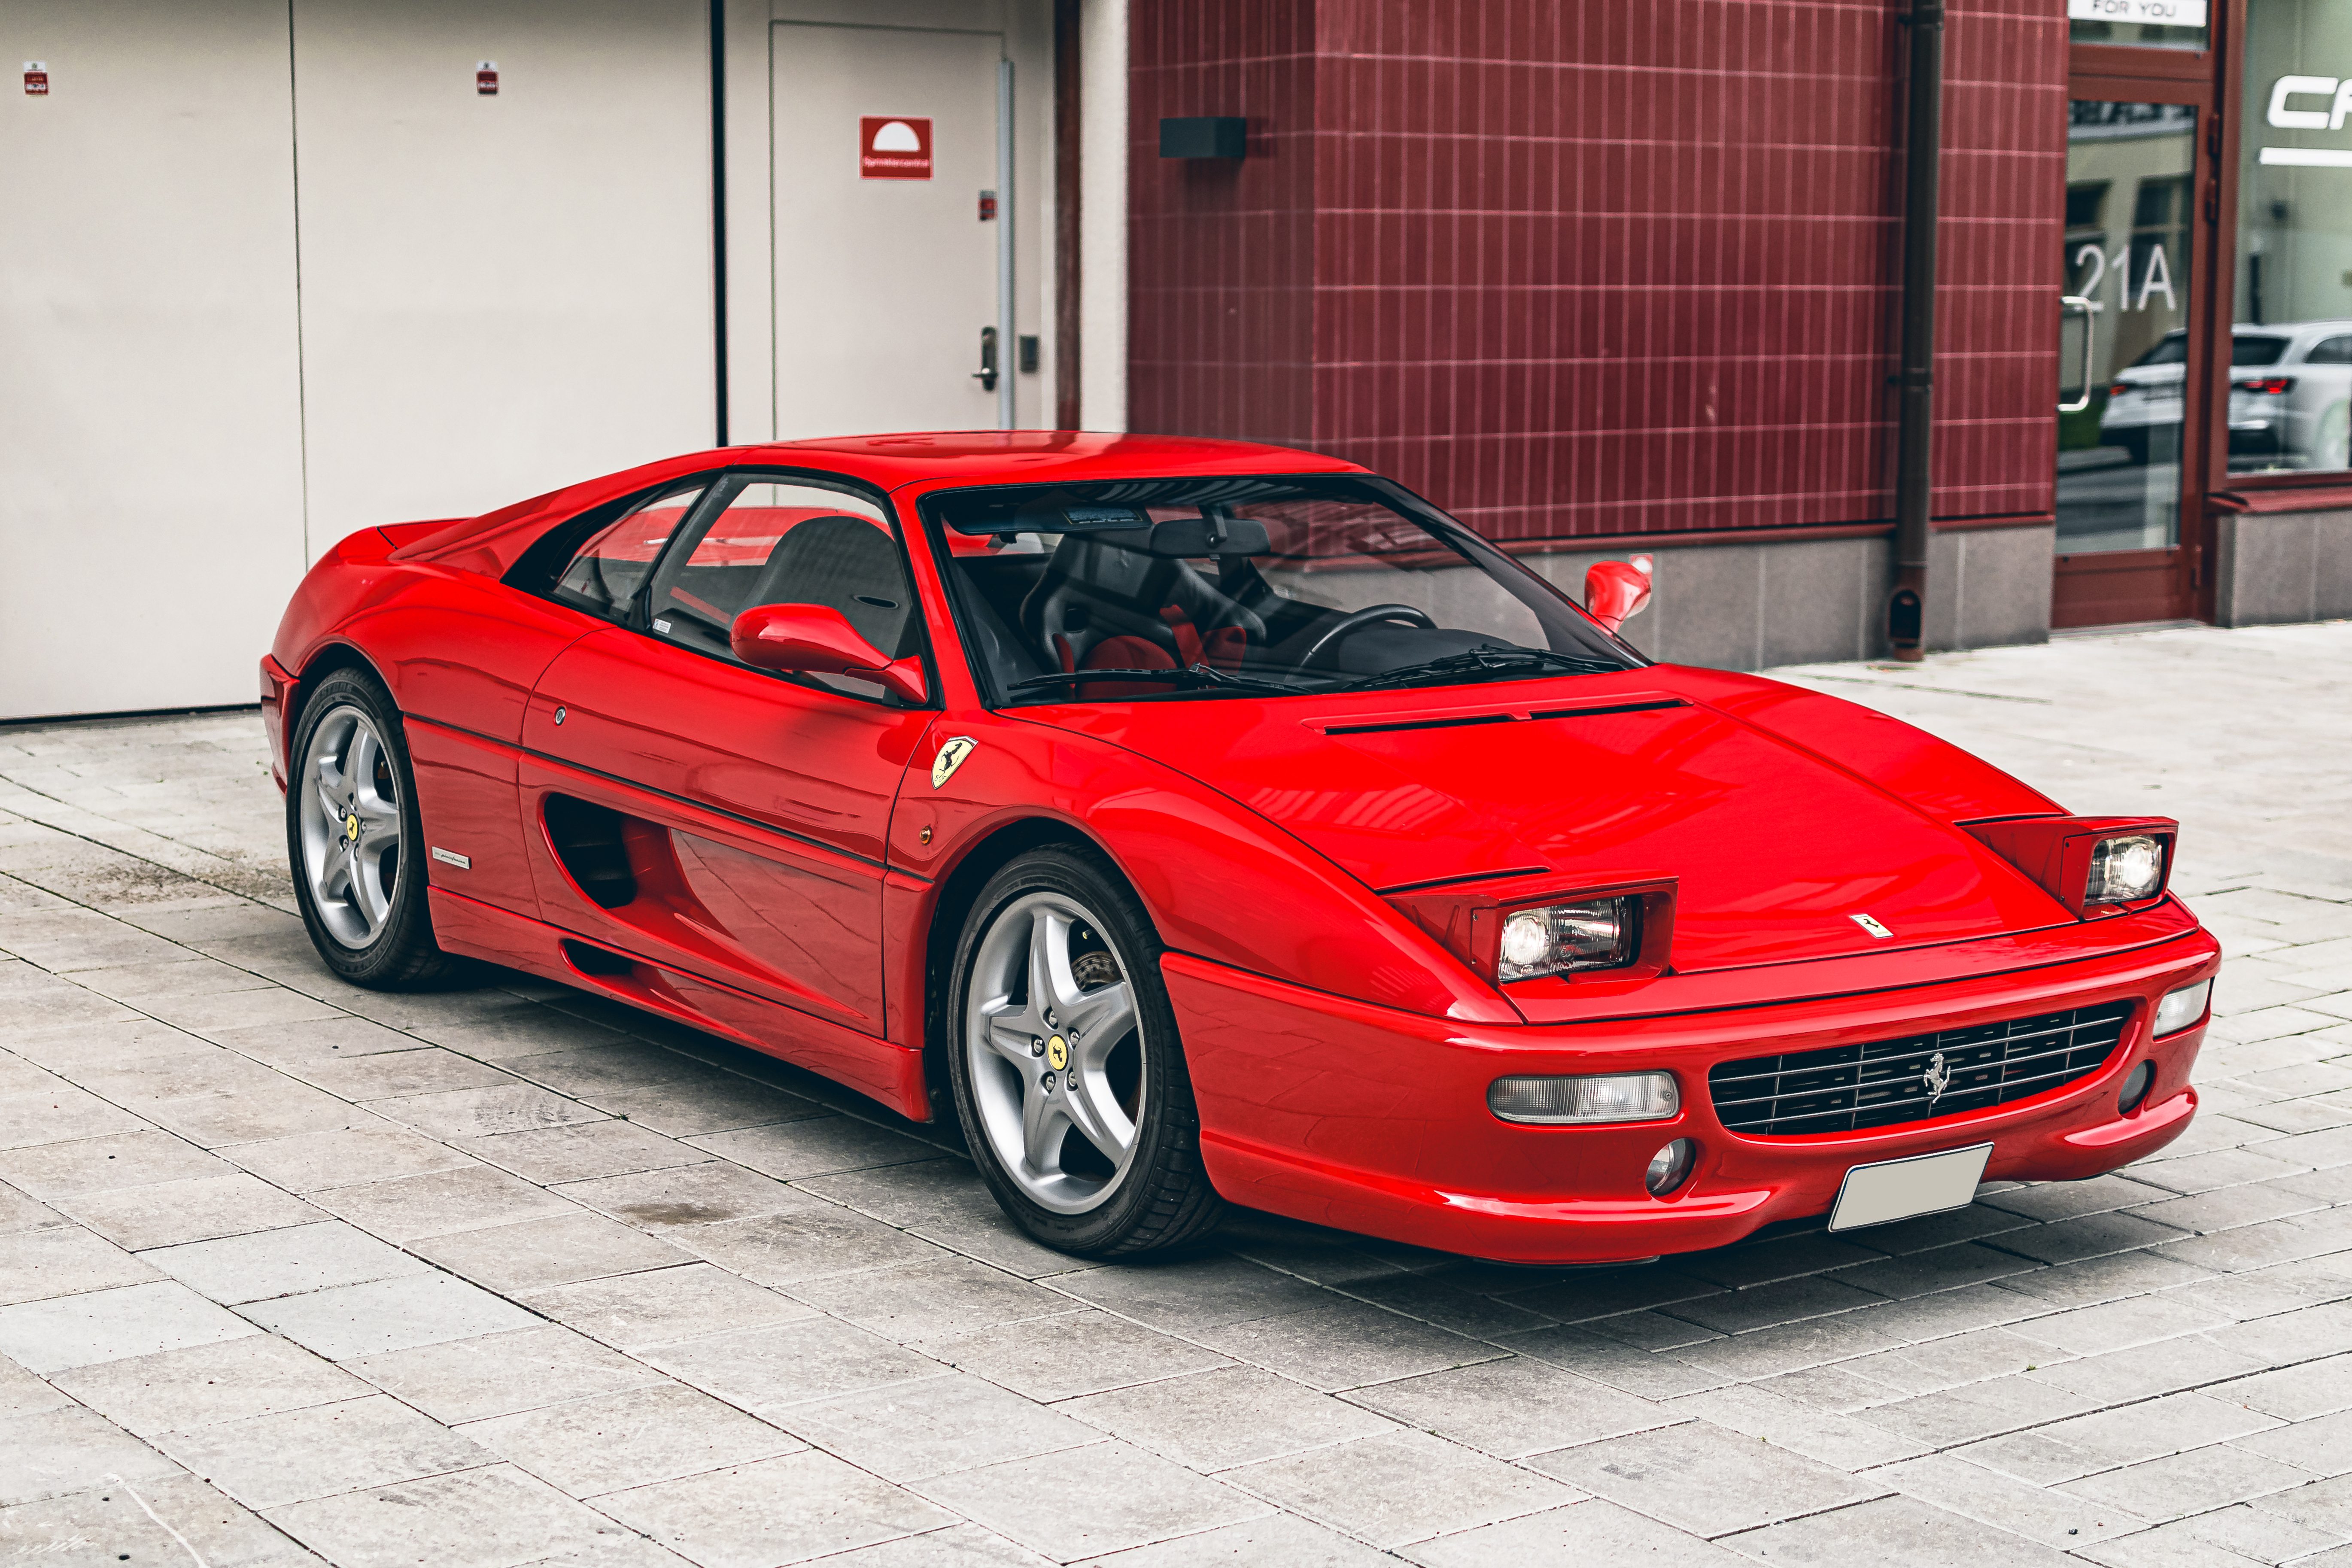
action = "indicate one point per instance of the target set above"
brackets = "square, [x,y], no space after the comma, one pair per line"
[1275,1538]
[638,1438]
[818,1146]
[19,1076]
[201,1385]
[65,1260]
[981,1231]
[1401,1487]
[1091,1501]
[1646,1374]
[1943,1314]
[802,1243]
[2109,1278]
[1895,1530]
[2226,1208]
[1183,1295]
[350,1321]
[2115,1325]
[1579,1297]
[2151,1429]
[108,1325]
[1647,1330]
[22,1394]
[495,1517]
[315,1042]
[29,1119]
[562,1250]
[1073,1353]
[2254,1246]
[64,1450]
[1929,1232]
[463,1113]
[907,1195]
[2194,1482]
[111,1522]
[1752,1263]
[214,1121]
[912,1431]
[2305,1334]
[178,1074]
[1962,1359]
[1992,1497]
[698,1194]
[1701,1478]
[612,1068]
[503,1374]
[389,1075]
[412,1208]
[940,1298]
[212,1016]
[786,1510]
[2295,1393]
[2321,1505]
[1594,1530]
[78,1047]
[1788,1347]
[1846,1442]
[1345,1346]
[2322,1446]
[165,1214]
[234,1270]
[2226,1538]
[319,1162]
[1512,1408]
[635,1311]
[582,1150]
[1216,1420]
[716,1102]
[2283,1288]
[496,1033]
[2120,1376]
[2286,1116]
[1832,1388]
[2221,1168]
[957,1546]
[1923,1273]
[2086,1235]
[1429,1298]
[1980,1410]
[265,1461]
[220,922]
[2320,1151]
[767,1370]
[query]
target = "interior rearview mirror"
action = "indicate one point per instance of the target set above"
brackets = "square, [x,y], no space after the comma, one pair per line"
[814,639]
[1615,590]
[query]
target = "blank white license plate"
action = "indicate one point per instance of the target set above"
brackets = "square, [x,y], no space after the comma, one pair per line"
[1905,1189]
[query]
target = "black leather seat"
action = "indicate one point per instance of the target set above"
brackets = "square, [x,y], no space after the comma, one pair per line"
[1104,601]
[845,563]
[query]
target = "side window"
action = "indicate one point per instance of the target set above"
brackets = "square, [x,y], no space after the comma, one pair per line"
[2330,351]
[604,573]
[781,544]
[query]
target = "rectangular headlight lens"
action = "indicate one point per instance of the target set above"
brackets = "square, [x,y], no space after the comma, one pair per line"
[1603,934]
[2182,1008]
[1613,1097]
[2126,869]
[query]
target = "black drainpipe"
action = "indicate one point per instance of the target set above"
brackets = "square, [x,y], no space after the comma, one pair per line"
[1915,380]
[718,211]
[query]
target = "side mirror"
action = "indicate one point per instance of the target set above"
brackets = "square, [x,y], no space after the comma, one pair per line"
[814,639]
[1614,591]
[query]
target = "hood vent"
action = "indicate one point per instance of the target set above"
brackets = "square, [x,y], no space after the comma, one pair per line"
[1456,724]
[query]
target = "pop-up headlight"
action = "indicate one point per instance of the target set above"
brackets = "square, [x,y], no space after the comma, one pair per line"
[2126,869]
[2090,864]
[1554,939]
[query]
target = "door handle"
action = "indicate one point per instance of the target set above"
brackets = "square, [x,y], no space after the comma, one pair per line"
[2076,302]
[986,374]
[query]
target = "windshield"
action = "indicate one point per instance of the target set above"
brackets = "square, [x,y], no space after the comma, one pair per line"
[1187,589]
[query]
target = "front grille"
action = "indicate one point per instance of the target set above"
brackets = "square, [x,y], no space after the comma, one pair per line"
[1884,1084]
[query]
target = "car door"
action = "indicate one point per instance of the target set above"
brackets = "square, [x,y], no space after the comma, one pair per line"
[718,819]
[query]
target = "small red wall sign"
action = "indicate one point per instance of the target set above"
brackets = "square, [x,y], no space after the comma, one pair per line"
[36,78]
[894,147]
[485,78]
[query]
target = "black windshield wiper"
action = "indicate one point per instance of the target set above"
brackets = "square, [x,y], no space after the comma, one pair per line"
[1195,676]
[1485,661]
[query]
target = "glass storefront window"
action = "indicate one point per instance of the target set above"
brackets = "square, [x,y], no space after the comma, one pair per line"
[2130,191]
[2291,408]
[2150,24]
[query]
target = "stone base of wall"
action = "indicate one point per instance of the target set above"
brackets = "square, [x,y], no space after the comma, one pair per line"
[2280,567]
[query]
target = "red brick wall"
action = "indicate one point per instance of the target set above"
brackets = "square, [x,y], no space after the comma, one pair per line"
[1596,269]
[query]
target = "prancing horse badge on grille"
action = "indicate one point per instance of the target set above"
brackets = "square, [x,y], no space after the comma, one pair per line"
[1935,1078]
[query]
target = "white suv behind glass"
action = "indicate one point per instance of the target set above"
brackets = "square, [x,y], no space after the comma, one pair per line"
[2290,398]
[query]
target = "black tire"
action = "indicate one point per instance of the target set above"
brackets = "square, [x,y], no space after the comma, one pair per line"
[1161,1199]
[397,952]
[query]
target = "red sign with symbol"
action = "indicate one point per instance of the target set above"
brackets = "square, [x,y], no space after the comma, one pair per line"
[36,78]
[485,78]
[894,147]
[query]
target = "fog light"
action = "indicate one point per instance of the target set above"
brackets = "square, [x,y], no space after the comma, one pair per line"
[1617,1097]
[2182,1008]
[1668,1166]
[2125,871]
[2135,1088]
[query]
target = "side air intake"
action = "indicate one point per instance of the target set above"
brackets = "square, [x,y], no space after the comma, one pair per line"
[587,839]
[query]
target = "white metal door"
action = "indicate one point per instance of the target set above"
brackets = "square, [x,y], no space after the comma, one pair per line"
[883,285]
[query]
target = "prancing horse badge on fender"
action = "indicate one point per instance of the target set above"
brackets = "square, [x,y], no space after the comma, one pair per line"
[950,758]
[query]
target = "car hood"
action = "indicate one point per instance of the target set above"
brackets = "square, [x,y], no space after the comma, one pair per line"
[1775,846]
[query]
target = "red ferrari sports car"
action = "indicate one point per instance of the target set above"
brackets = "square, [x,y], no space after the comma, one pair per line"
[1214,823]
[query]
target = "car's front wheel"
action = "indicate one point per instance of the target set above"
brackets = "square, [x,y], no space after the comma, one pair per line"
[356,842]
[1067,1071]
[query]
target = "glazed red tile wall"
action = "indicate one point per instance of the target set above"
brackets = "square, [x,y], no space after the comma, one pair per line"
[1595,268]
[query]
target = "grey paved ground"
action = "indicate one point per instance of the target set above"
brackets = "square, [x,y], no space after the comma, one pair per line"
[507,1277]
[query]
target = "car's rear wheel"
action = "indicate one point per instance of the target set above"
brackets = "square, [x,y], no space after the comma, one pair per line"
[1067,1071]
[355,841]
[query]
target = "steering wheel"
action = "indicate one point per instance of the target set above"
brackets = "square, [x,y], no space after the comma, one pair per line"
[1372,616]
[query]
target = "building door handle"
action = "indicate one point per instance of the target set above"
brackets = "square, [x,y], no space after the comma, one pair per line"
[2067,303]
[986,374]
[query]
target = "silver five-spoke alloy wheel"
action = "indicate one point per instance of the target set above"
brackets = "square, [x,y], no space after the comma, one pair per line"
[1050,1038]
[350,804]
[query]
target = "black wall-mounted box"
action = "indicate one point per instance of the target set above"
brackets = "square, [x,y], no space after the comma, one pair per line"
[1209,136]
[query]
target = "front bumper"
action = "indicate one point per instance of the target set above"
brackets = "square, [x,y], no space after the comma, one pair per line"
[1375,1121]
